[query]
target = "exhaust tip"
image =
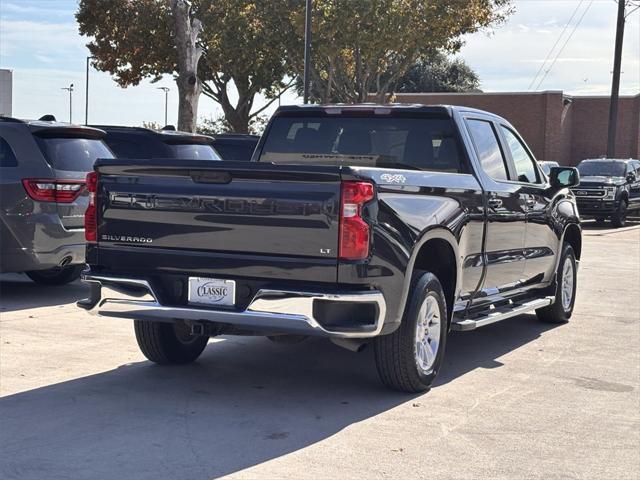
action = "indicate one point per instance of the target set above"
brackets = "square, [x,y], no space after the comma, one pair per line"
[65,261]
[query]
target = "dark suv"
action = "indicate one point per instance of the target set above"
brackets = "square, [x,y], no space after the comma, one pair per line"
[609,188]
[140,142]
[235,146]
[43,165]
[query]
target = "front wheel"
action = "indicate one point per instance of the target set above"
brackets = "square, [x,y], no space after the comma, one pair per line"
[168,343]
[619,218]
[409,359]
[566,280]
[56,276]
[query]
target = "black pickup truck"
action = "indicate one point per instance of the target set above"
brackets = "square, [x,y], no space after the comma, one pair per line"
[382,224]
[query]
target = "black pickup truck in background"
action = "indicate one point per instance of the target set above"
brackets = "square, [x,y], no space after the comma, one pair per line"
[381,224]
[609,188]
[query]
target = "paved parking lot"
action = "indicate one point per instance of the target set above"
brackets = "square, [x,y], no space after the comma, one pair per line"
[518,399]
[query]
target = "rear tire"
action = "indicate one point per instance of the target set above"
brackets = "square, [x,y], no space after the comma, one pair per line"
[56,276]
[619,218]
[409,359]
[561,309]
[168,343]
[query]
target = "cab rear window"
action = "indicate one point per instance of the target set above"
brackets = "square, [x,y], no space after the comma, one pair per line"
[73,154]
[388,142]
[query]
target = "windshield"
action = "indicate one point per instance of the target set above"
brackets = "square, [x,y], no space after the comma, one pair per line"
[414,143]
[601,169]
[74,154]
[194,151]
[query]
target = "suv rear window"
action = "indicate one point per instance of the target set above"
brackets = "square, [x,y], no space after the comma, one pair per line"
[391,142]
[194,151]
[72,153]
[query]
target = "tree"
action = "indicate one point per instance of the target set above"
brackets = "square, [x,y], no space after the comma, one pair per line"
[244,44]
[438,73]
[189,86]
[361,47]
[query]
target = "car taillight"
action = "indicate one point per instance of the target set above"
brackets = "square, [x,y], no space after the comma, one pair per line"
[354,231]
[91,214]
[59,191]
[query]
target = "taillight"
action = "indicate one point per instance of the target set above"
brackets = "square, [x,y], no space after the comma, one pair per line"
[59,191]
[91,214]
[354,231]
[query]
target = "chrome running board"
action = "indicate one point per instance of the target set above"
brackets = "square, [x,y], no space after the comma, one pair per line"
[497,314]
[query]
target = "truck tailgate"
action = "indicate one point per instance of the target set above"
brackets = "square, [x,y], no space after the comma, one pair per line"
[226,207]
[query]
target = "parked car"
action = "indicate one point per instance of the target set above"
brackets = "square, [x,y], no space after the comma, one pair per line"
[609,188]
[233,146]
[388,225]
[140,142]
[43,165]
[547,165]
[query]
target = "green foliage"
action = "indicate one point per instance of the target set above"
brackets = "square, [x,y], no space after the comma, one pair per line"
[245,45]
[438,73]
[363,46]
[217,125]
[253,46]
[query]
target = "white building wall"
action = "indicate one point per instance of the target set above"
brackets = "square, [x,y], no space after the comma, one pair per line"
[6,92]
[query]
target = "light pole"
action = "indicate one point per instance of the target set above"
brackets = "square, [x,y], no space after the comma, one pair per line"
[166,97]
[70,90]
[86,94]
[307,50]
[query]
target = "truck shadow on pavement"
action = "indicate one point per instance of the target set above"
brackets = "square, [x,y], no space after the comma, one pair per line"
[18,292]
[246,401]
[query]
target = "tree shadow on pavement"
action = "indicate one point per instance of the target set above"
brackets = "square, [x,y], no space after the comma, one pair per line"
[18,292]
[246,401]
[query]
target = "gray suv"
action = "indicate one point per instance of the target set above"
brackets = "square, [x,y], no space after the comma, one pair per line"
[43,165]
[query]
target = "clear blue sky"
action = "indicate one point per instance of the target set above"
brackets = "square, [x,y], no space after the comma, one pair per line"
[39,40]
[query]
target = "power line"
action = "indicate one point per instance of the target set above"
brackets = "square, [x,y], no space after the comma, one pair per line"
[554,45]
[564,44]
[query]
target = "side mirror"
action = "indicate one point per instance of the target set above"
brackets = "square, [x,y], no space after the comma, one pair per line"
[631,177]
[564,177]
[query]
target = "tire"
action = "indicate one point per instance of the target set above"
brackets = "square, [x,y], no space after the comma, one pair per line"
[561,309]
[619,219]
[168,343]
[56,276]
[398,356]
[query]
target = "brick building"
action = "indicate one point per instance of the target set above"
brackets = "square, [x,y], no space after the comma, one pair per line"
[556,127]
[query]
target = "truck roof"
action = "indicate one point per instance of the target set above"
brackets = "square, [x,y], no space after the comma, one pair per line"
[381,108]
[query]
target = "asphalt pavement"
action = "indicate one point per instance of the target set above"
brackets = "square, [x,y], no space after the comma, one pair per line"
[516,400]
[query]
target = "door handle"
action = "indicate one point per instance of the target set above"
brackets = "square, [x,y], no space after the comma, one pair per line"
[494,202]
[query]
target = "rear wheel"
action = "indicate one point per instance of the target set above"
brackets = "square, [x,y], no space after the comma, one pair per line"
[56,276]
[566,279]
[619,218]
[409,359]
[168,343]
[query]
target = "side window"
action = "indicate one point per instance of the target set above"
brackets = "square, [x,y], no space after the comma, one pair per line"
[7,157]
[525,168]
[488,149]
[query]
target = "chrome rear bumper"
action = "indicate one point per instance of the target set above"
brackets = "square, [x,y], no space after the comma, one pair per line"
[273,311]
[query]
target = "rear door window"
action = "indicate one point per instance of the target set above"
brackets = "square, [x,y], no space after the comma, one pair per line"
[488,148]
[386,142]
[73,154]
[523,162]
[7,157]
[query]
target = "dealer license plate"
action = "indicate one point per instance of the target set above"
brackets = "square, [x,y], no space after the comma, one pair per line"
[211,291]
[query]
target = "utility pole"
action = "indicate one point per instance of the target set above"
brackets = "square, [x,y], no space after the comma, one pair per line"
[166,98]
[615,83]
[307,50]
[70,90]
